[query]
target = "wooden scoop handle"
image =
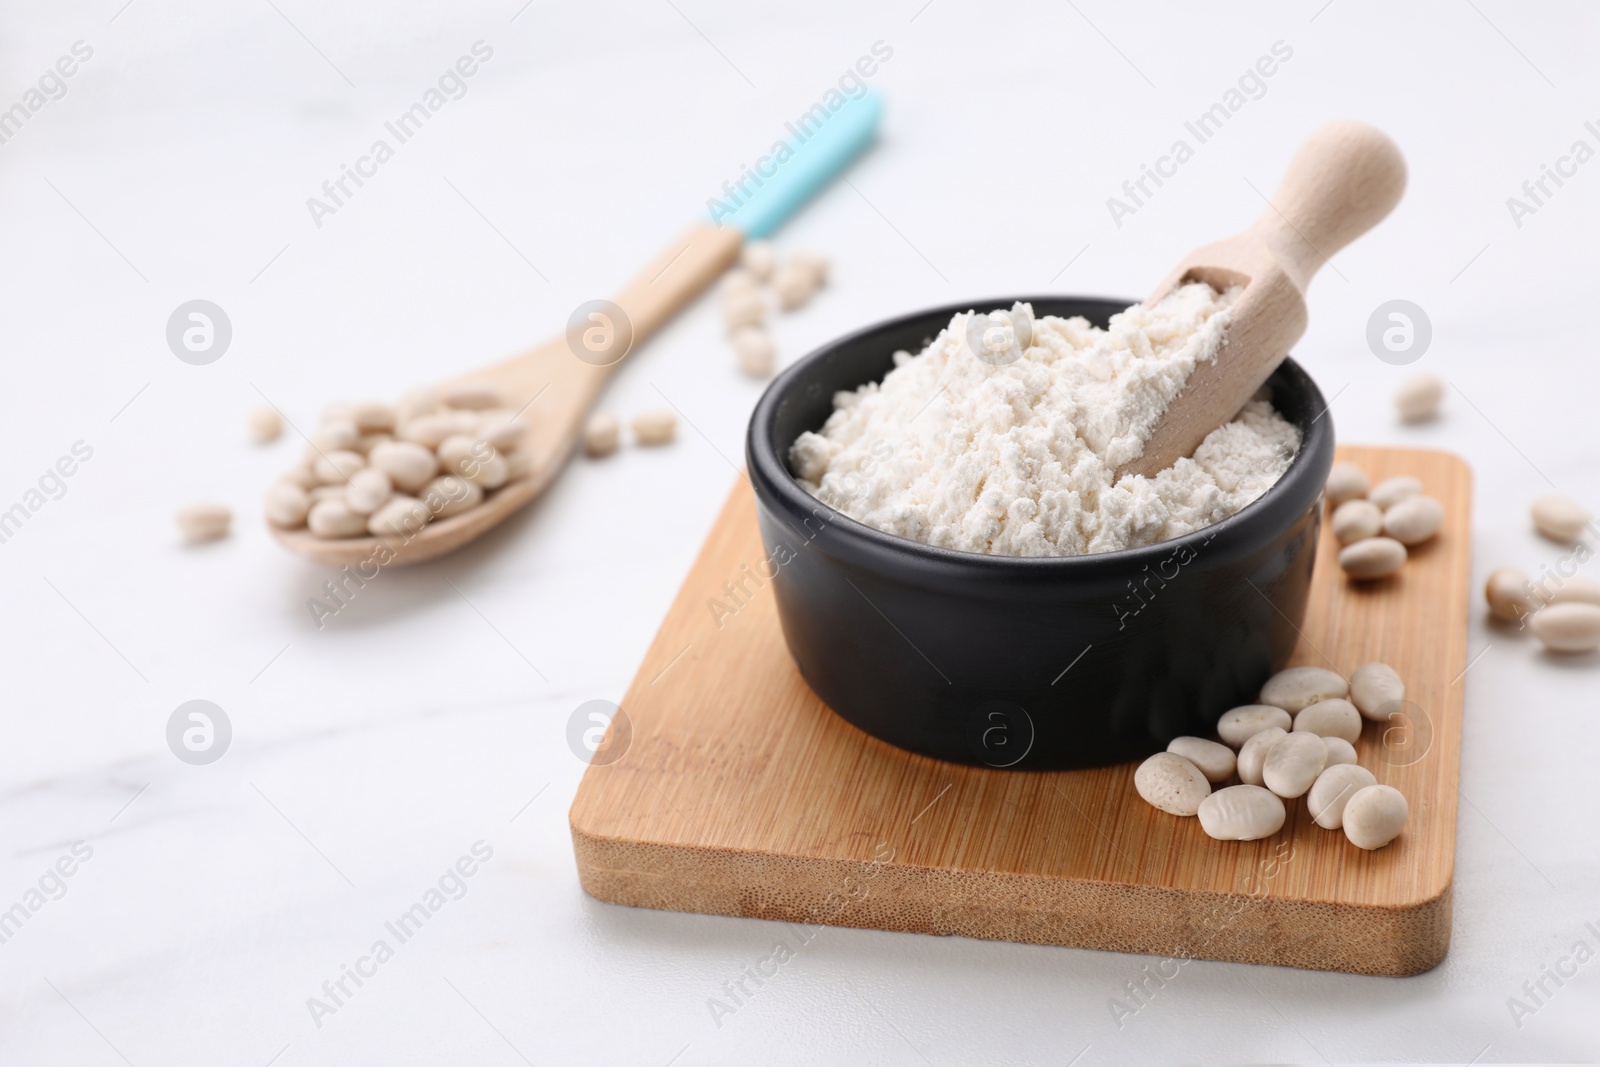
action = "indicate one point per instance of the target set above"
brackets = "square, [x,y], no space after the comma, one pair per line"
[1341,183]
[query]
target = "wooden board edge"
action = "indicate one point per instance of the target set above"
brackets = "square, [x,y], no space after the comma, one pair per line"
[1178,924]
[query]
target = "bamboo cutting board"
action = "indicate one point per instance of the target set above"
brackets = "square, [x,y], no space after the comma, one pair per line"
[740,793]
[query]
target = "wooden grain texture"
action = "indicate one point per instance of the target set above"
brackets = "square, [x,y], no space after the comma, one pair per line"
[741,794]
[555,390]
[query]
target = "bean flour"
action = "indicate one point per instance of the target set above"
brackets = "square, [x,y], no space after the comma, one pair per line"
[1003,435]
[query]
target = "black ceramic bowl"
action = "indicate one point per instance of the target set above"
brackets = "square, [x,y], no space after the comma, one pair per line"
[1029,663]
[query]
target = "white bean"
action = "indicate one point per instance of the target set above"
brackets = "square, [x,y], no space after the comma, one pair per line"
[505,432]
[1570,627]
[429,431]
[1507,592]
[1414,520]
[475,460]
[794,284]
[1419,397]
[490,473]
[451,495]
[758,258]
[737,280]
[1356,520]
[372,417]
[415,404]
[1293,764]
[460,453]
[753,346]
[472,396]
[654,427]
[402,516]
[1301,687]
[743,307]
[816,264]
[1376,557]
[1346,482]
[1253,756]
[325,492]
[332,519]
[601,434]
[265,425]
[204,522]
[369,490]
[1559,518]
[1339,751]
[369,441]
[1242,813]
[462,420]
[1331,718]
[287,505]
[1389,492]
[1374,689]
[335,468]
[1374,816]
[1332,791]
[335,435]
[303,475]
[1171,783]
[1215,761]
[1241,724]
[410,466]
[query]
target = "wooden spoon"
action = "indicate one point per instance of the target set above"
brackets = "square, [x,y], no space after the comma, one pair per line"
[1341,183]
[556,387]
[558,383]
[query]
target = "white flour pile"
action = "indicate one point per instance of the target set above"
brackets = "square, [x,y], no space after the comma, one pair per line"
[1014,454]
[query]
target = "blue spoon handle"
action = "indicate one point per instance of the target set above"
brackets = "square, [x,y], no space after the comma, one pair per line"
[818,148]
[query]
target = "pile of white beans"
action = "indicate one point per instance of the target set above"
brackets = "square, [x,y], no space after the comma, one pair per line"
[744,306]
[383,470]
[1298,741]
[1378,524]
[389,470]
[1562,609]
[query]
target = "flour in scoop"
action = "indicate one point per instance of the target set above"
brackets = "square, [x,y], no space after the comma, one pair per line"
[1004,434]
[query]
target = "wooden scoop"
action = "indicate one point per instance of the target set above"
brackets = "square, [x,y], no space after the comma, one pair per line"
[1340,184]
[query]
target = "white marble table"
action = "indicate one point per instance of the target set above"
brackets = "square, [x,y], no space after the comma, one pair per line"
[428,718]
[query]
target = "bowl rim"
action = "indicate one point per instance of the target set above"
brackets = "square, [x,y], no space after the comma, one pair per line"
[769,471]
